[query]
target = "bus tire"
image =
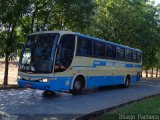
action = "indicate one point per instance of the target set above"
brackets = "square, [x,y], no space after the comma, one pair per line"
[78,85]
[127,82]
[49,94]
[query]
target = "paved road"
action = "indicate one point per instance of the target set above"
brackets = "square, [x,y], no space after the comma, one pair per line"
[65,106]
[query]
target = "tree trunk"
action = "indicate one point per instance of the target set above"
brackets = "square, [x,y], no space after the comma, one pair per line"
[45,21]
[141,74]
[152,72]
[157,72]
[5,82]
[32,22]
[34,15]
[146,73]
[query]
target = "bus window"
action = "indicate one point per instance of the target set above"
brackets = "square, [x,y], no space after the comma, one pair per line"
[98,49]
[65,53]
[110,51]
[128,55]
[138,56]
[37,54]
[84,46]
[120,53]
[134,55]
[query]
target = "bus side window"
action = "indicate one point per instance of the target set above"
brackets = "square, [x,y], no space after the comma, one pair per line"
[134,56]
[138,57]
[84,47]
[98,49]
[128,55]
[110,51]
[120,53]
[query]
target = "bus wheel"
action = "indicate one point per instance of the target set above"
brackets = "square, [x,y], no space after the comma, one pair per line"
[49,94]
[127,82]
[77,87]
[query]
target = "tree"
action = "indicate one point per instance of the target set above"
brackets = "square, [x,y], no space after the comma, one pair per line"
[60,15]
[132,23]
[10,14]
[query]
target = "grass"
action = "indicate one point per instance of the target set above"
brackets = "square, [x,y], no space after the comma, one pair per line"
[145,109]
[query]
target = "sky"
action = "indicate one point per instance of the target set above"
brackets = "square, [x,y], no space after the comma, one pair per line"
[157,1]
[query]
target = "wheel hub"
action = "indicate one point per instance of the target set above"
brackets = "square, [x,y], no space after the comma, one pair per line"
[77,85]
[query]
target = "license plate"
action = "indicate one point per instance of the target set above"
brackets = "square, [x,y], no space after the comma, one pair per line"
[28,85]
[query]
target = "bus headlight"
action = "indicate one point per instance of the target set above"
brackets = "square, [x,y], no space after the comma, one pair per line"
[18,77]
[45,80]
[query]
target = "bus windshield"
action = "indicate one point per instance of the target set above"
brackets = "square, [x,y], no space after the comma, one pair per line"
[38,53]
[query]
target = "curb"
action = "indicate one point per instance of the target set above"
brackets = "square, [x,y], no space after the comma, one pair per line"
[103,111]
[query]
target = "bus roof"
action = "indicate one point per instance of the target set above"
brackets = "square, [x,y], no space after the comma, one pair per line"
[76,33]
[56,31]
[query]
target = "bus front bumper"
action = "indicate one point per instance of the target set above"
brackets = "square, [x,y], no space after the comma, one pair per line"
[53,85]
[34,85]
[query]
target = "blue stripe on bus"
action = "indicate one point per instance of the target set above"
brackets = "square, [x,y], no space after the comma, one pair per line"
[99,63]
[60,83]
[129,65]
[82,66]
[138,66]
[96,81]
[111,64]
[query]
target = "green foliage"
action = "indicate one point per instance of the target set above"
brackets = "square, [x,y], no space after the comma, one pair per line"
[71,15]
[11,13]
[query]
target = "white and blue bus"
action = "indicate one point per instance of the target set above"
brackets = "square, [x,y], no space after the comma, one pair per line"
[70,61]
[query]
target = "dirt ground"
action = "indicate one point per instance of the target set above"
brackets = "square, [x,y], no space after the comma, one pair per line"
[12,73]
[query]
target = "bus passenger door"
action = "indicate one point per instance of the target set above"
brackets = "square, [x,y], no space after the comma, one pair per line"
[65,53]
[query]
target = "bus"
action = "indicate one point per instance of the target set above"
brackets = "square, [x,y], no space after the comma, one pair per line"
[69,61]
